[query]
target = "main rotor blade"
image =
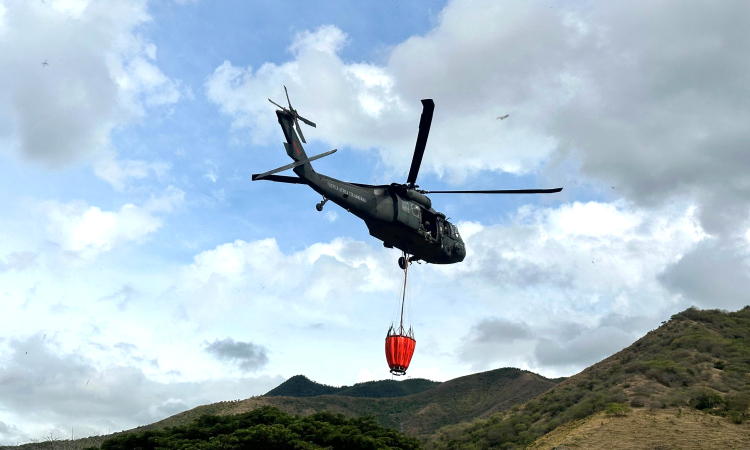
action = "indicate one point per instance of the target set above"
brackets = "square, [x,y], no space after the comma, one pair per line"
[428,106]
[299,131]
[502,191]
[287,99]
[312,124]
[282,107]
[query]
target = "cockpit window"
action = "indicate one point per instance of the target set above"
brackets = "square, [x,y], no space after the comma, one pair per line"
[447,229]
[455,232]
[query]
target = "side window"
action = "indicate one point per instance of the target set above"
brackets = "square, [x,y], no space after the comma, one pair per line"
[405,206]
[455,231]
[414,210]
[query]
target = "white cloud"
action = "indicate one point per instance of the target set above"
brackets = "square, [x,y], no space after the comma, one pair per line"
[240,272]
[63,389]
[365,375]
[89,231]
[212,171]
[554,273]
[118,171]
[369,106]
[100,74]
[560,274]
[644,102]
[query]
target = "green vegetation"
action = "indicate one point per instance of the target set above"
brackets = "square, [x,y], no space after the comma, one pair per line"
[617,409]
[388,388]
[699,358]
[458,400]
[268,428]
[452,402]
[301,386]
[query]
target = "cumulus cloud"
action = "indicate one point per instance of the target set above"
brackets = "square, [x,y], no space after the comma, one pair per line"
[712,276]
[646,98]
[73,390]
[88,231]
[473,73]
[100,74]
[322,273]
[248,356]
[603,249]
[582,276]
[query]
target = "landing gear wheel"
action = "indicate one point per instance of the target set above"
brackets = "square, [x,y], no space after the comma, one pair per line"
[402,262]
[319,206]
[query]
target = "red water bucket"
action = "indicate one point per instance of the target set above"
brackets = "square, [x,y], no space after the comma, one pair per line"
[399,349]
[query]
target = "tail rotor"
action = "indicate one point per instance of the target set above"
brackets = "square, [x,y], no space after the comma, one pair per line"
[295,115]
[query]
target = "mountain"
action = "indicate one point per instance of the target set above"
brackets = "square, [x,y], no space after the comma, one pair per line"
[697,360]
[301,386]
[450,402]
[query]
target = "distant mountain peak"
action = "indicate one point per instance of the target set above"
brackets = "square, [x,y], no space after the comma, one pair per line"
[301,386]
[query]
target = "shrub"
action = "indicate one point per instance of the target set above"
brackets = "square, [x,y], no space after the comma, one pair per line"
[637,402]
[738,402]
[719,365]
[617,409]
[706,400]
[736,417]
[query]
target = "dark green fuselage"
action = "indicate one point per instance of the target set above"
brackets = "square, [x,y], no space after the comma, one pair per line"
[400,217]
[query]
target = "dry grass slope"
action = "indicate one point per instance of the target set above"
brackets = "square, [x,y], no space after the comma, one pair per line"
[661,429]
[699,359]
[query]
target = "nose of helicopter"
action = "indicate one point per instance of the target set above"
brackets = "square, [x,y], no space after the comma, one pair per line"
[460,253]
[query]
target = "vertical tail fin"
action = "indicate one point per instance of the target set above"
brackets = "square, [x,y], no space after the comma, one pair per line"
[293,145]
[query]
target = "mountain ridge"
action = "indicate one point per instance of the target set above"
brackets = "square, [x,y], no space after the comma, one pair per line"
[301,386]
[450,402]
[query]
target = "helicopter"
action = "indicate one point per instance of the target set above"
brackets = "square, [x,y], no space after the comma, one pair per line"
[399,214]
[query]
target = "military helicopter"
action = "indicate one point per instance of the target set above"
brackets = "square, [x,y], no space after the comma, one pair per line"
[400,215]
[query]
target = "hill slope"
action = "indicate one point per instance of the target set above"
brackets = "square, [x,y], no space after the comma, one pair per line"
[454,401]
[672,428]
[699,358]
[301,386]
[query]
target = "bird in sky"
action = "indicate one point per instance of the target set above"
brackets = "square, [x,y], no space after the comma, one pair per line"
[503,117]
[45,63]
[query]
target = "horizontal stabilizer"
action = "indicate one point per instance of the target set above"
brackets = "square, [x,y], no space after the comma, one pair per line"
[280,179]
[292,165]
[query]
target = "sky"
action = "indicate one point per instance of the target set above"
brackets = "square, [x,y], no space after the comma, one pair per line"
[143,273]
